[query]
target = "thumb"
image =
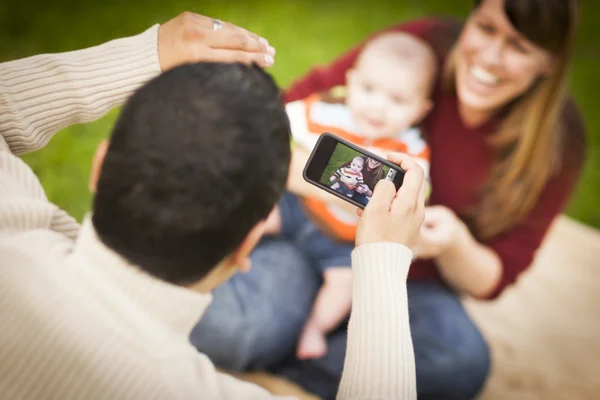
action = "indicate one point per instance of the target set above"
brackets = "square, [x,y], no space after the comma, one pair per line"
[383,195]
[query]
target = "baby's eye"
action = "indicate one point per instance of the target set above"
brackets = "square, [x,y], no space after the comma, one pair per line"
[367,88]
[397,100]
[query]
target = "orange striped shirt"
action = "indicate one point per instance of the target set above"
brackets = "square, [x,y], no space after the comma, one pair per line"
[311,117]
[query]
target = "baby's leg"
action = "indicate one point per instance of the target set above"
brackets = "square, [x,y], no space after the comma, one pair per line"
[331,307]
[332,258]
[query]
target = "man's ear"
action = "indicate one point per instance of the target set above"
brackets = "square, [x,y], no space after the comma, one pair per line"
[97,164]
[241,257]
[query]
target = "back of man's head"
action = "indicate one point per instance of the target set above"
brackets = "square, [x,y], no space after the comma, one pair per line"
[198,156]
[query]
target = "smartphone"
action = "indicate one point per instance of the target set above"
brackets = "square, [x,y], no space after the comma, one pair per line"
[348,171]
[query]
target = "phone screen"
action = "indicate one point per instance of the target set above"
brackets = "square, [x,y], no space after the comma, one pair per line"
[347,171]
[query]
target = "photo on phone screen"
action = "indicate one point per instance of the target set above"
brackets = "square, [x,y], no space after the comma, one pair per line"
[348,171]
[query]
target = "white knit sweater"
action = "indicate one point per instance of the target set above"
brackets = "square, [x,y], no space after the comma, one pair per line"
[78,322]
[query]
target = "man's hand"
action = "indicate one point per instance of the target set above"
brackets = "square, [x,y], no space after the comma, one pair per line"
[394,216]
[190,37]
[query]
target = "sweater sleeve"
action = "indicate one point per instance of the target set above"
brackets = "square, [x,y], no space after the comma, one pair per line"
[380,362]
[42,94]
[322,78]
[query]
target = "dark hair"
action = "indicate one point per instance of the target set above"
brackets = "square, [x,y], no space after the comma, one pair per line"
[371,177]
[198,156]
[547,23]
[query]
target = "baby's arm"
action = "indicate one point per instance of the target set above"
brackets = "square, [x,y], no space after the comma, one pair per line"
[360,180]
[337,174]
[331,307]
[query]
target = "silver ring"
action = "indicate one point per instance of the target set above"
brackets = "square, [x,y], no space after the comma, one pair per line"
[217,24]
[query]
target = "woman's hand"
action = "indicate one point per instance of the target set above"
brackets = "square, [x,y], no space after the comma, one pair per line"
[465,264]
[439,232]
[394,216]
[190,37]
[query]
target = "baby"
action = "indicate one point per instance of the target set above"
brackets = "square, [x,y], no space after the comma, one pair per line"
[348,177]
[387,94]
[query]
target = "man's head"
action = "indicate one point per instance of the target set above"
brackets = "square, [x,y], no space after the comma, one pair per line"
[390,85]
[197,159]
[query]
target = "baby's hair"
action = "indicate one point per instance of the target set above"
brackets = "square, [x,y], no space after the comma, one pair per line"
[410,50]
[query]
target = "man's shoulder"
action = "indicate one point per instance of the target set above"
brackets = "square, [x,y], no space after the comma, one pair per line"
[58,311]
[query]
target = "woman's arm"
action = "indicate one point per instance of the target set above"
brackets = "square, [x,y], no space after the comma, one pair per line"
[484,269]
[468,265]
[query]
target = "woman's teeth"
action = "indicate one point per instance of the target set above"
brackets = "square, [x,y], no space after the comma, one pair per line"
[484,77]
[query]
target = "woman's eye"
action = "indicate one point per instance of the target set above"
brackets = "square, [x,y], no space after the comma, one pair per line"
[487,28]
[519,47]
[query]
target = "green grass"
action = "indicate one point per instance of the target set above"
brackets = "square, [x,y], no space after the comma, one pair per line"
[305,33]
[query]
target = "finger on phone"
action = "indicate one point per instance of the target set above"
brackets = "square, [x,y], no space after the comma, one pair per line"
[359,212]
[422,192]
[413,178]
[383,194]
[407,198]
[234,40]
[405,161]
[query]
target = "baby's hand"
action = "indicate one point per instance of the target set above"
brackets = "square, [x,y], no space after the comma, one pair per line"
[312,344]
[273,222]
[332,178]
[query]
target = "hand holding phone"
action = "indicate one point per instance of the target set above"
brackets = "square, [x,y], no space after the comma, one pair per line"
[395,215]
[348,171]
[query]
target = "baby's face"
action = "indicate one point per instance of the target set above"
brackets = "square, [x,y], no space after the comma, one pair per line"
[386,97]
[356,165]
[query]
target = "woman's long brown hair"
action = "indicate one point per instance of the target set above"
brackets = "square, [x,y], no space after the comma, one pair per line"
[528,144]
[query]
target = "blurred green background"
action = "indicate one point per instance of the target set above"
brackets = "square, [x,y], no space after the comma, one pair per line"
[305,33]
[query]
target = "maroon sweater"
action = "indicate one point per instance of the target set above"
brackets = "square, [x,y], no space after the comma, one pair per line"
[461,159]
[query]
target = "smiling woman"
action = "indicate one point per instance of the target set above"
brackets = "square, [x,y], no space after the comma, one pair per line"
[507,146]
[505,57]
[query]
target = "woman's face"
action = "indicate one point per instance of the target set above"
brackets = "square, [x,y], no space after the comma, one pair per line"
[372,164]
[495,63]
